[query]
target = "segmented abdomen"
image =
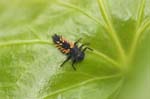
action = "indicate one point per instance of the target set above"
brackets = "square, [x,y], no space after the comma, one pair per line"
[63,45]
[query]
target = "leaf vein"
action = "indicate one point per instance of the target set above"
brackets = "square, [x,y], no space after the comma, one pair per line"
[22,42]
[111,30]
[81,84]
[140,13]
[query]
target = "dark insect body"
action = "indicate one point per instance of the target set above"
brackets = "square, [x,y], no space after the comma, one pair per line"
[72,50]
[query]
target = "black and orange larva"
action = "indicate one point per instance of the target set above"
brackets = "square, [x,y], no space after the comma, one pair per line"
[71,50]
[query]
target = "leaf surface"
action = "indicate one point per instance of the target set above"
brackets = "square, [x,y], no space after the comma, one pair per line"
[117,68]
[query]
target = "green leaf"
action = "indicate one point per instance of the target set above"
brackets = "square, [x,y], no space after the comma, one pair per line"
[117,30]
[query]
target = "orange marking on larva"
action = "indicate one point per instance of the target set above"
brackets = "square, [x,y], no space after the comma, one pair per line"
[64,52]
[67,51]
[61,39]
[71,45]
[61,49]
[64,40]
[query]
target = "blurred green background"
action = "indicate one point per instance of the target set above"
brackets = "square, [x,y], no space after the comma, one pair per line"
[117,30]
